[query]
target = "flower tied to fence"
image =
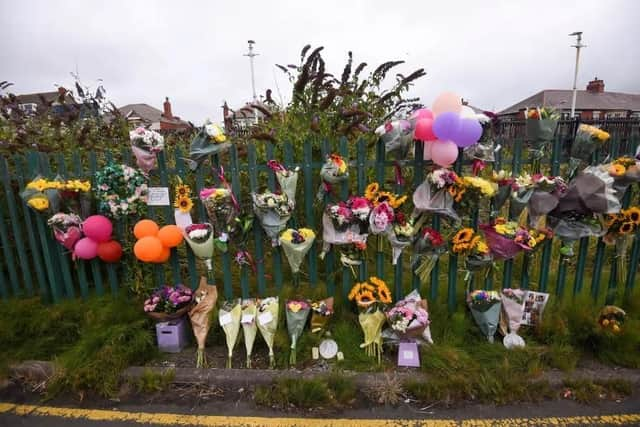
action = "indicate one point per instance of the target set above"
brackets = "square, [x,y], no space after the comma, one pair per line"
[287,178]
[334,171]
[145,145]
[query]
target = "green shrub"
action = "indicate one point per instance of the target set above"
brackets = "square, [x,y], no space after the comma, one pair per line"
[300,393]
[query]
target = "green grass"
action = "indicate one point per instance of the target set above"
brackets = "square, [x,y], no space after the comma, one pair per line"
[588,391]
[299,393]
[152,382]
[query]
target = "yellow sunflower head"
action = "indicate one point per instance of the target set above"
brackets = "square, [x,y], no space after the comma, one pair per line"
[371,191]
[384,295]
[183,203]
[482,247]
[396,202]
[627,227]
[354,291]
[633,214]
[365,298]
[183,190]
[617,170]
[463,236]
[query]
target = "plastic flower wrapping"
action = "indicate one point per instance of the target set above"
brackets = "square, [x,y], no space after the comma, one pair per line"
[334,171]
[321,312]
[229,316]
[377,196]
[121,191]
[397,136]
[588,138]
[205,297]
[268,324]
[468,191]
[341,215]
[249,326]
[506,239]
[287,178]
[349,238]
[539,193]
[540,127]
[222,209]
[428,245]
[168,299]
[409,319]
[611,318]
[619,232]
[513,309]
[145,145]
[400,235]
[296,244]
[360,210]
[44,195]
[381,218]
[470,244]
[200,240]
[436,194]
[66,229]
[505,189]
[273,211]
[209,140]
[297,313]
[625,171]
[485,308]
[371,297]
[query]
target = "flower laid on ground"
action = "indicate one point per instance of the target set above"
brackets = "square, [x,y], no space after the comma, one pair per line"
[321,312]
[611,318]
[268,324]
[121,191]
[205,297]
[428,245]
[485,307]
[296,244]
[334,171]
[340,214]
[377,196]
[513,309]
[287,178]
[145,144]
[273,211]
[371,297]
[229,318]
[168,299]
[297,312]
[408,318]
[249,326]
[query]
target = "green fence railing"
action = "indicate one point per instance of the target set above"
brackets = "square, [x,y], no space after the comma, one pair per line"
[34,263]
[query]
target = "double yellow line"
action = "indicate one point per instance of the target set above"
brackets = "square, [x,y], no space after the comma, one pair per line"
[220,421]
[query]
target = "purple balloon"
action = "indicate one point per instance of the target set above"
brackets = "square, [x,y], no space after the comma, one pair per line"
[446,125]
[468,133]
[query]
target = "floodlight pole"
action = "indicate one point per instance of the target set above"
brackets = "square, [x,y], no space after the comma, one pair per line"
[251,55]
[578,46]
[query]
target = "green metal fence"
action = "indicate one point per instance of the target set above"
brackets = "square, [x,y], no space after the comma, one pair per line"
[34,263]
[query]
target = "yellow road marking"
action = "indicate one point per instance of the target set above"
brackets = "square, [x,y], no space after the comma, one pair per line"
[219,421]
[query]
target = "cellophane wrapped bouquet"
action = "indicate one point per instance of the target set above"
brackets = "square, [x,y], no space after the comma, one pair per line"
[620,229]
[400,234]
[469,191]
[477,255]
[371,298]
[66,229]
[268,324]
[539,193]
[334,171]
[205,297]
[222,209]
[505,183]
[540,128]
[209,140]
[611,318]
[512,308]
[297,312]
[409,319]
[321,312]
[249,326]
[273,210]
[506,239]
[146,144]
[296,243]
[428,245]
[287,178]
[229,316]
[485,308]
[437,193]
[625,171]
[587,140]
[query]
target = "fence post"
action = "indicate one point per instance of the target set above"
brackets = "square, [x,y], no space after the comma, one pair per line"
[309,194]
[257,228]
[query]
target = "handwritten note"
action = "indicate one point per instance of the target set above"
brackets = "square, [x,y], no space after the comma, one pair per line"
[265,318]
[225,319]
[247,318]
[158,196]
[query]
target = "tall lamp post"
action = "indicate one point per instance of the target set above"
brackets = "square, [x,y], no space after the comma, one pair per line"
[251,55]
[578,46]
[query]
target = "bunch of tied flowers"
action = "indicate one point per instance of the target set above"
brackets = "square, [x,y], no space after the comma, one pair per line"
[334,171]
[374,194]
[469,190]
[428,245]
[506,184]
[408,318]
[168,299]
[296,243]
[437,192]
[360,210]
[340,214]
[145,145]
[400,234]
[540,127]
[539,193]
[477,256]
[273,210]
[621,165]
[588,139]
[485,307]
[507,238]
[182,200]
[620,228]
[611,318]
[222,209]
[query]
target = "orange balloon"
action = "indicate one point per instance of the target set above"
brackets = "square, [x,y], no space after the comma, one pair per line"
[170,236]
[144,228]
[148,249]
[164,255]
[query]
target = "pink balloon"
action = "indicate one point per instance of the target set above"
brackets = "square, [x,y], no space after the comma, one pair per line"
[86,248]
[447,101]
[444,153]
[98,227]
[423,113]
[427,149]
[424,130]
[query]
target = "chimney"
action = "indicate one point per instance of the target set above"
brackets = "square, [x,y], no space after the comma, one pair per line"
[167,109]
[595,86]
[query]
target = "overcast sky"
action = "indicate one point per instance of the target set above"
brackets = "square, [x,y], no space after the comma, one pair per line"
[493,53]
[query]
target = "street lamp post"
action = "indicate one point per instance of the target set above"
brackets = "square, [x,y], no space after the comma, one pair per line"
[251,55]
[578,46]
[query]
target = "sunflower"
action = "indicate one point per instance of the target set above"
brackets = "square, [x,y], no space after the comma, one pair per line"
[610,219]
[354,291]
[365,298]
[371,192]
[627,227]
[183,190]
[378,283]
[383,196]
[634,215]
[463,236]
[384,295]
[183,203]
[397,202]
[482,247]
[617,170]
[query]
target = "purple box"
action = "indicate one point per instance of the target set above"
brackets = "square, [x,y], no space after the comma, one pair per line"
[173,335]
[408,355]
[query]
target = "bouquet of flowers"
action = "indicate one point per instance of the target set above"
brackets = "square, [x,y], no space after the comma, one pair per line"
[340,215]
[428,245]
[572,226]
[273,211]
[222,209]
[541,124]
[477,255]
[513,309]
[209,140]
[620,228]
[334,171]
[145,145]
[287,178]
[505,189]
[321,312]
[588,139]
[268,324]
[381,218]
[297,313]
[371,297]
[200,240]
[611,318]
[625,171]
[296,244]
[469,190]
[66,229]
[41,194]
[351,238]
[169,302]
[506,239]
[540,193]
[396,135]
[485,307]
[121,191]
[249,326]
[400,235]
[229,317]
[409,318]
[376,196]
[360,210]
[205,297]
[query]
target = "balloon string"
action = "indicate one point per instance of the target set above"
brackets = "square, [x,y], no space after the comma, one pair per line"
[226,184]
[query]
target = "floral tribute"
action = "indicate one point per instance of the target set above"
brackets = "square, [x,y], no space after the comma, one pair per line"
[409,317]
[182,200]
[400,235]
[121,191]
[506,239]
[296,244]
[273,210]
[438,192]
[611,318]
[145,145]
[377,196]
[485,307]
[169,300]
[620,228]
[334,171]
[321,312]
[588,139]
[297,312]
[45,195]
[428,245]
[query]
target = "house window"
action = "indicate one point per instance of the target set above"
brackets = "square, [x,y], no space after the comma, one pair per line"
[29,108]
[596,115]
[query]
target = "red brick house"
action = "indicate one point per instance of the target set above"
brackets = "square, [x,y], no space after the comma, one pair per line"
[591,104]
[148,116]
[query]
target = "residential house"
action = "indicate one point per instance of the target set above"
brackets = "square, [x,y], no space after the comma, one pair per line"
[591,104]
[152,118]
[248,115]
[31,103]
